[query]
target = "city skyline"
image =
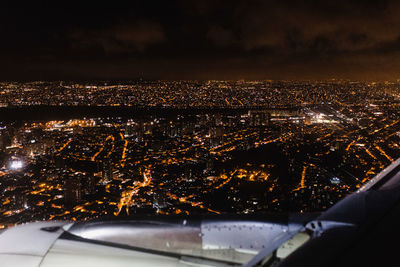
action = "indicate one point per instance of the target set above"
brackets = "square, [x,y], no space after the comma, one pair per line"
[83,151]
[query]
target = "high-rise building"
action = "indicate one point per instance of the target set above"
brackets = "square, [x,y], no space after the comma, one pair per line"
[72,189]
[107,171]
[19,200]
[89,184]
[259,117]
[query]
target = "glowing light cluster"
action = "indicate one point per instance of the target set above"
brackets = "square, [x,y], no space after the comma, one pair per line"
[16,164]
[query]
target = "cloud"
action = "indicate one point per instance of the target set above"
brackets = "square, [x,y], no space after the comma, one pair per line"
[136,37]
[346,26]
[240,38]
[220,36]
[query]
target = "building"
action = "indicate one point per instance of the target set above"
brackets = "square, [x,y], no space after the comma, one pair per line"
[107,171]
[72,189]
[259,117]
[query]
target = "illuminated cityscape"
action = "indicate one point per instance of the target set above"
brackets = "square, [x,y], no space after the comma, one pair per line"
[199,133]
[107,149]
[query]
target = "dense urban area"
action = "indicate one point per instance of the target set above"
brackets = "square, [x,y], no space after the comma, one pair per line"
[190,147]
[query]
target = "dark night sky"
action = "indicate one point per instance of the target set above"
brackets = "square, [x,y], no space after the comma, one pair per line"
[204,39]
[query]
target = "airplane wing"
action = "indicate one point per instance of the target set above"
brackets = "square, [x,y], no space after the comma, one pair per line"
[355,230]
